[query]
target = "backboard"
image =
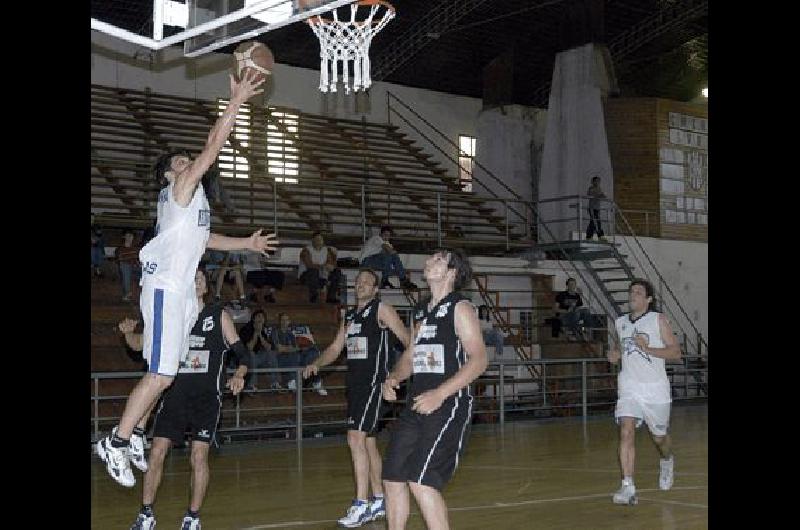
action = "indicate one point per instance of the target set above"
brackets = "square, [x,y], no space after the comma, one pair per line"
[203,25]
[273,14]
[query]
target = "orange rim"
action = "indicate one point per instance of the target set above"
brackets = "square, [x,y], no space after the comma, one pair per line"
[319,19]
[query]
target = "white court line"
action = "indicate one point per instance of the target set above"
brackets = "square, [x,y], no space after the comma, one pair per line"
[664,501]
[498,505]
[579,469]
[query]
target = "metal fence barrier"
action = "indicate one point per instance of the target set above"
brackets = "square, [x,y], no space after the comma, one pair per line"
[506,391]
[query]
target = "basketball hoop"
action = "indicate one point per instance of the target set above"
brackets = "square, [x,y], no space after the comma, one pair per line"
[348,41]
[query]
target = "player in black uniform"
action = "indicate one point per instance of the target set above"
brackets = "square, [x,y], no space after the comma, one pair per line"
[365,333]
[193,402]
[448,353]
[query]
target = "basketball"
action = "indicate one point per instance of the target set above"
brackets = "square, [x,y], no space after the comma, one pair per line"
[253,55]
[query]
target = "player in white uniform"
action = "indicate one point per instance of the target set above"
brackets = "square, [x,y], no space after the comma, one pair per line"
[645,341]
[169,261]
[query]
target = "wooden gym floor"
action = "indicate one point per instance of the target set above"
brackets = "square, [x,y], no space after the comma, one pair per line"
[557,474]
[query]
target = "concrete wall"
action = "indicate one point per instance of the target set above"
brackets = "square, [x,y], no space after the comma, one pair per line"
[576,147]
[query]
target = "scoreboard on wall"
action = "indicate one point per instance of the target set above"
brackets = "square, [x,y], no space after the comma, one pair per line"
[683,165]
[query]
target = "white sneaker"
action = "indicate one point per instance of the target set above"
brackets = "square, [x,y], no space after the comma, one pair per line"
[357,515]
[665,478]
[117,464]
[144,522]
[190,523]
[136,451]
[377,508]
[320,389]
[291,385]
[626,494]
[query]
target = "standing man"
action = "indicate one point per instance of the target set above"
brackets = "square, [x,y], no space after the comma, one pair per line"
[364,331]
[169,261]
[447,355]
[379,254]
[193,402]
[646,340]
[595,194]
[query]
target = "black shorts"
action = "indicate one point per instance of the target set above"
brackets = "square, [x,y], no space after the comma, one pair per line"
[426,448]
[365,408]
[179,412]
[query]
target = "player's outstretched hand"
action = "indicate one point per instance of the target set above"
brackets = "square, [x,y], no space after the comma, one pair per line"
[389,387]
[236,384]
[311,369]
[428,402]
[128,325]
[247,87]
[263,244]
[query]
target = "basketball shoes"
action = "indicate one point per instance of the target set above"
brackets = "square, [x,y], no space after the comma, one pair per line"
[190,523]
[357,514]
[144,522]
[117,463]
[626,494]
[377,508]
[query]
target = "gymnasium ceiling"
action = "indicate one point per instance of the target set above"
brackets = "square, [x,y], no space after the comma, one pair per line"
[658,47]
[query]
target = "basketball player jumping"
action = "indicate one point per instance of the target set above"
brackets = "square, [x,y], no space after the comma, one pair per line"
[169,261]
[646,340]
[428,439]
[193,402]
[364,331]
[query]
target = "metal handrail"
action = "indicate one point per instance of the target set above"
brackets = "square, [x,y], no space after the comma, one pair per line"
[663,282]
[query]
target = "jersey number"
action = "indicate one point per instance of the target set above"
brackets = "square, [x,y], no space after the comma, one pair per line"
[149,267]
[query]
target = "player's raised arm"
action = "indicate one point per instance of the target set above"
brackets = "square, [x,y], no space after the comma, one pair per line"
[255,243]
[187,180]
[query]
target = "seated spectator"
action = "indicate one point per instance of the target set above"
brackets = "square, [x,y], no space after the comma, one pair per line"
[570,311]
[492,336]
[288,352]
[263,281]
[98,250]
[317,268]
[128,261]
[379,254]
[231,267]
[255,334]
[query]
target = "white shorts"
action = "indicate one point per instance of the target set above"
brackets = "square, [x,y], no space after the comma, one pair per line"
[655,415]
[168,320]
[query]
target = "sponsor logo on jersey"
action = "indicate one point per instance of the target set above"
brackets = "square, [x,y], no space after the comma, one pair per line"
[426,332]
[204,218]
[354,328]
[428,359]
[197,341]
[356,348]
[443,310]
[208,323]
[195,363]
[203,433]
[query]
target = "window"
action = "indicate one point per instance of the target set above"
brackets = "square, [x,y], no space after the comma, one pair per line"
[466,157]
[283,155]
[231,164]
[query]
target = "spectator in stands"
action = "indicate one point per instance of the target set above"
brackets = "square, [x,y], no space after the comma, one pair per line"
[98,250]
[263,281]
[128,261]
[379,254]
[595,194]
[289,353]
[492,336]
[256,336]
[231,267]
[570,311]
[317,268]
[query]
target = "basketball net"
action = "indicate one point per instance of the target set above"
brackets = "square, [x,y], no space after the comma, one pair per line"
[346,41]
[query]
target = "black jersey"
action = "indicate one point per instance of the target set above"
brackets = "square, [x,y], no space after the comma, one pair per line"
[367,346]
[438,353]
[202,370]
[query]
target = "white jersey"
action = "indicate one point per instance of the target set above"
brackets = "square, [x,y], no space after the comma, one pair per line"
[170,259]
[318,257]
[642,375]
